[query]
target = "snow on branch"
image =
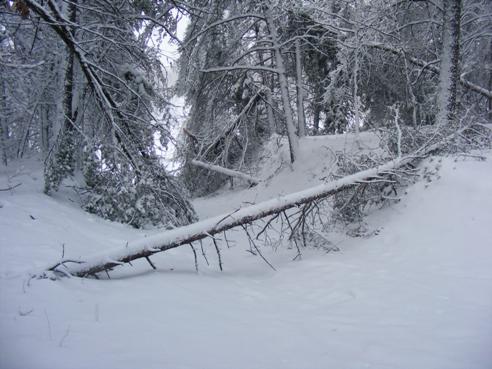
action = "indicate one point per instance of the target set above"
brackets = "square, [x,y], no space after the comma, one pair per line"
[432,68]
[239,67]
[227,172]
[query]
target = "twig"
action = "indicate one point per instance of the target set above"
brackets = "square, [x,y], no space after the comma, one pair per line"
[292,238]
[226,240]
[53,268]
[203,252]
[267,225]
[11,187]
[194,255]
[218,253]
[252,242]
[64,337]
[150,262]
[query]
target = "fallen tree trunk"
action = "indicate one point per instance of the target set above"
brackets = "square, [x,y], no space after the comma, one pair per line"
[209,227]
[241,217]
[227,172]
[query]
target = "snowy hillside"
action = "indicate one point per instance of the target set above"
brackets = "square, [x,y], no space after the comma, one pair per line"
[316,161]
[415,294]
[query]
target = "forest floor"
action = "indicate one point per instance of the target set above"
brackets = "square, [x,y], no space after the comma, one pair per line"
[415,292]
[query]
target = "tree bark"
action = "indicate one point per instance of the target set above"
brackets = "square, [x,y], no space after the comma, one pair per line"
[356,77]
[4,129]
[68,130]
[301,119]
[270,115]
[449,74]
[284,87]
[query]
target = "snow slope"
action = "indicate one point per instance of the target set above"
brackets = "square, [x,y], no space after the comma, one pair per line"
[316,161]
[416,295]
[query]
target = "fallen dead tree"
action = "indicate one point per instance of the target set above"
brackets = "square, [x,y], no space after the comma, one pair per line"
[209,227]
[227,172]
[305,200]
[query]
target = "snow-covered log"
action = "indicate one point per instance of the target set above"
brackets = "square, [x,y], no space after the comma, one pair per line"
[207,228]
[227,172]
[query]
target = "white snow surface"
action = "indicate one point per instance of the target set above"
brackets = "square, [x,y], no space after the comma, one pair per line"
[416,294]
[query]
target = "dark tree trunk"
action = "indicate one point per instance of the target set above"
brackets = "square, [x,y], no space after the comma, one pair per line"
[449,75]
[4,133]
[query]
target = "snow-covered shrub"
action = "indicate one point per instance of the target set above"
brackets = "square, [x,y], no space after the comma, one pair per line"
[60,162]
[150,199]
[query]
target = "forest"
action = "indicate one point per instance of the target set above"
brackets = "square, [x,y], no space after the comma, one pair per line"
[200,126]
[83,85]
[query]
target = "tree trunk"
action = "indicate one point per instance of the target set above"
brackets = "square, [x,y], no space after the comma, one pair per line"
[316,106]
[267,80]
[45,131]
[284,87]
[270,115]
[356,97]
[356,79]
[4,129]
[301,120]
[62,163]
[490,83]
[449,75]
[68,128]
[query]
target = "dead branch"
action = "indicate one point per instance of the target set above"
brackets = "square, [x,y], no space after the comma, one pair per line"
[203,252]
[11,187]
[194,255]
[227,172]
[252,243]
[218,253]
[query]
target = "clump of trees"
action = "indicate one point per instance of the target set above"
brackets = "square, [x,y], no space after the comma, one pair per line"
[82,84]
[252,69]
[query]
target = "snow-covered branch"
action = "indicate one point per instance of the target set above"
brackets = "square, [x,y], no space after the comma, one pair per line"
[227,172]
[432,68]
[239,67]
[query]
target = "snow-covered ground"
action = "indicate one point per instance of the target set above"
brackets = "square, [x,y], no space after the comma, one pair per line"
[417,294]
